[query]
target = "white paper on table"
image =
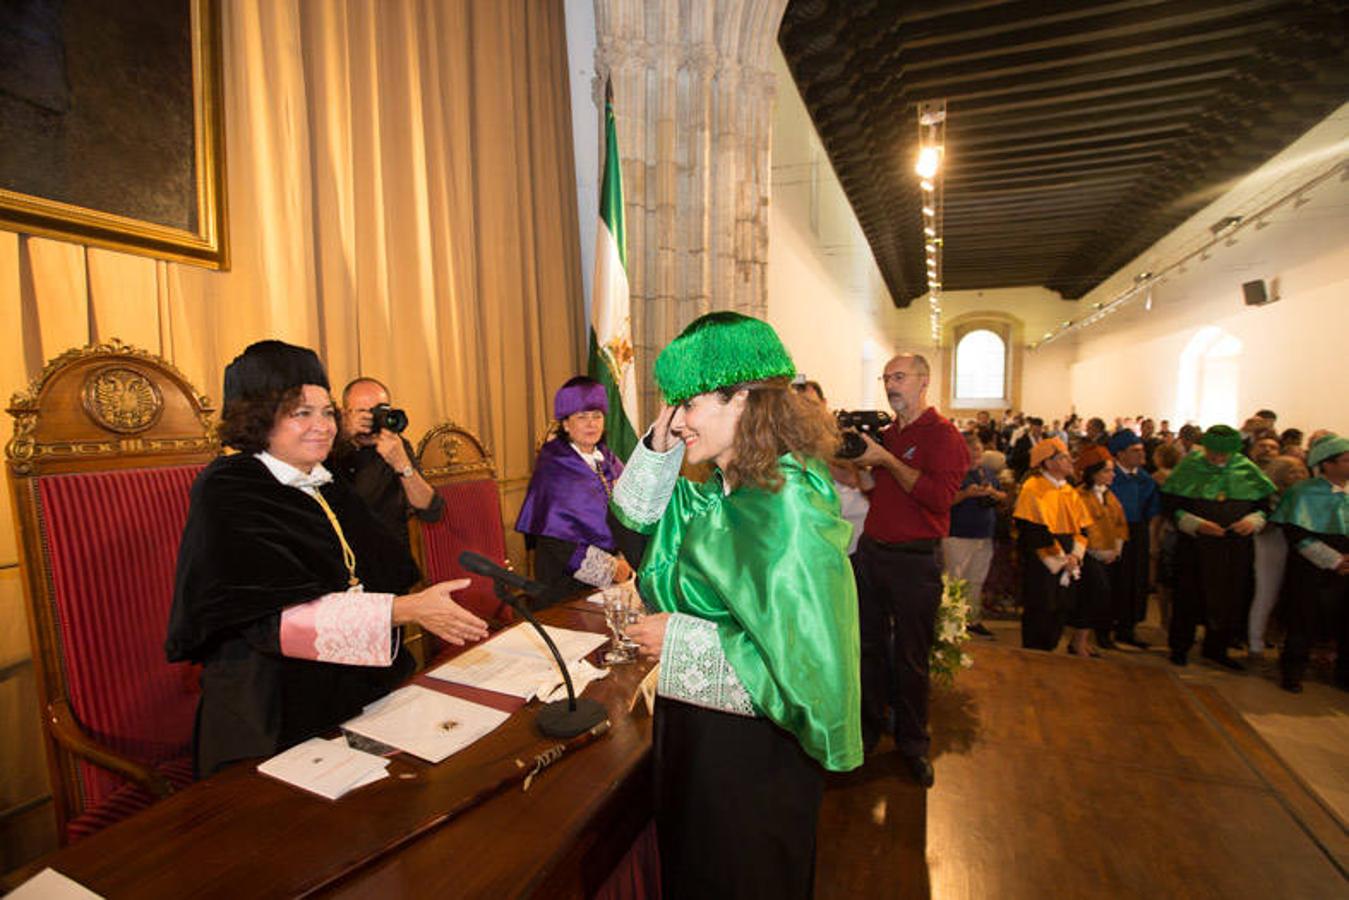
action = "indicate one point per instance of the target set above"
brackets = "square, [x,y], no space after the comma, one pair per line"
[50,884]
[523,640]
[377,775]
[582,674]
[517,661]
[323,767]
[425,723]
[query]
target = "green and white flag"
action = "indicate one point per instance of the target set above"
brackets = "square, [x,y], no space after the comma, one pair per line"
[611,356]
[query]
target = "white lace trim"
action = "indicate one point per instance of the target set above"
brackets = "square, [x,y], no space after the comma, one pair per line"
[353,628]
[597,569]
[643,490]
[694,669]
[1319,553]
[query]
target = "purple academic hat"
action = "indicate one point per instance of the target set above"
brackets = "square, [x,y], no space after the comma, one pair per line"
[578,395]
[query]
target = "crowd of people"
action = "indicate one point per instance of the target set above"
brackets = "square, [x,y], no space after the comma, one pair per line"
[1240,531]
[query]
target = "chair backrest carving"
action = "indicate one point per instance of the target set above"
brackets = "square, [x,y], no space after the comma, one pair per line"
[107,441]
[457,463]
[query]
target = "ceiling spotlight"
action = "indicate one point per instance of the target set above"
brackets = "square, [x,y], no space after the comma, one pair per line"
[925,185]
[930,231]
[929,211]
[929,159]
[1223,223]
[1147,304]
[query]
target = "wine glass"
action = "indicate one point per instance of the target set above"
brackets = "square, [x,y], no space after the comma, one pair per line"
[620,611]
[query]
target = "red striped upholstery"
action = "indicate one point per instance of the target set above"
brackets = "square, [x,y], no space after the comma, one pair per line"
[472,521]
[126,801]
[112,542]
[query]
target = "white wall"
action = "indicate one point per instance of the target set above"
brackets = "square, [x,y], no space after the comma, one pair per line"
[1200,354]
[825,294]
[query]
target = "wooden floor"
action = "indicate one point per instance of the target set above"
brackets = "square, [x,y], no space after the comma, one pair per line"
[1065,777]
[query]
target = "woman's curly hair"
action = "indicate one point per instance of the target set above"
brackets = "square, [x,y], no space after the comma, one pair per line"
[776,420]
[246,425]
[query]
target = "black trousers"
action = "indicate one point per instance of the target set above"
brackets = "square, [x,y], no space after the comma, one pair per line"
[1129,582]
[737,801]
[1214,580]
[898,593]
[1315,604]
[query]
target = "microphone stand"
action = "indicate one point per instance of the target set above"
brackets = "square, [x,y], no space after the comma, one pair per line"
[561,718]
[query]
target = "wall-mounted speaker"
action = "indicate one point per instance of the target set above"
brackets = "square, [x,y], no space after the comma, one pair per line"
[1256,293]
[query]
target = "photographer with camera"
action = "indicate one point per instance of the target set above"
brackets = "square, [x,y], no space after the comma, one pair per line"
[376,460]
[918,465]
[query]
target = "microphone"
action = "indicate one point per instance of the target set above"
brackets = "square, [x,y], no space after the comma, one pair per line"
[481,565]
[561,718]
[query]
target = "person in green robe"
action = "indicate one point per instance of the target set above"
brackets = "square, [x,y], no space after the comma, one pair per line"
[1314,515]
[755,621]
[1219,500]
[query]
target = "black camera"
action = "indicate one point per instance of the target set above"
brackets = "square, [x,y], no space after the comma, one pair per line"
[855,423]
[384,417]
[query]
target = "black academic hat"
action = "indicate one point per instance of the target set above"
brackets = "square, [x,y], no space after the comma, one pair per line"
[268,368]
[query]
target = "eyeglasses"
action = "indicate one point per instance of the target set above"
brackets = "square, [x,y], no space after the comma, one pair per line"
[894,377]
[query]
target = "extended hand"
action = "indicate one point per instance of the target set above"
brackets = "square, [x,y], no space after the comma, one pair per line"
[1243,527]
[390,448]
[1205,527]
[622,570]
[649,634]
[435,610]
[1343,567]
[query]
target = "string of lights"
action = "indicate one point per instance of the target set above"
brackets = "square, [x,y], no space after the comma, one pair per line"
[1224,231]
[931,151]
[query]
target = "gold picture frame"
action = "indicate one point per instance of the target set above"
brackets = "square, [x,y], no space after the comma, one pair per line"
[194,191]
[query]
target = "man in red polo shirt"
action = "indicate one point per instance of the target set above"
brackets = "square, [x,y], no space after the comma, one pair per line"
[918,466]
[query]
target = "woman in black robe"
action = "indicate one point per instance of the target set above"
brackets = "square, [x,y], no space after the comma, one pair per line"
[288,592]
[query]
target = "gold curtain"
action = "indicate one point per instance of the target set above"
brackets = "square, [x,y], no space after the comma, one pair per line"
[401,199]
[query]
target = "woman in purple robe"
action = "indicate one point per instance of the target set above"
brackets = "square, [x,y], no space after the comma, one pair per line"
[564,516]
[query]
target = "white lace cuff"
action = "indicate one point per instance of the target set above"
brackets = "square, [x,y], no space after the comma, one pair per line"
[596,568]
[1319,553]
[349,627]
[648,480]
[693,668]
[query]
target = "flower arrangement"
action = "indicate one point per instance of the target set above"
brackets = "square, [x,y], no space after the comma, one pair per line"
[949,634]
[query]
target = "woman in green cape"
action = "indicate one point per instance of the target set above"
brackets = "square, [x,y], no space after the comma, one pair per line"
[756,622]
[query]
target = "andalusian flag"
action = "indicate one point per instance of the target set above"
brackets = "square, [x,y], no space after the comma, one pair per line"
[611,358]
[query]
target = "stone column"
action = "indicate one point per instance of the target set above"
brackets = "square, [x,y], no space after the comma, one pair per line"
[693,100]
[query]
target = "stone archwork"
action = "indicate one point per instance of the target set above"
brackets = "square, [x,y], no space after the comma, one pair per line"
[693,101]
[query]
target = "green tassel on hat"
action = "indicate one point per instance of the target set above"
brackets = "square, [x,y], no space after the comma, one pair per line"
[1326,447]
[719,350]
[1221,439]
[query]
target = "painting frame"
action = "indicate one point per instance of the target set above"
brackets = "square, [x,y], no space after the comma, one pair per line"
[208,244]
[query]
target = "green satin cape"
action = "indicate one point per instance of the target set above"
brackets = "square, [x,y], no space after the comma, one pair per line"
[1197,478]
[1313,506]
[771,570]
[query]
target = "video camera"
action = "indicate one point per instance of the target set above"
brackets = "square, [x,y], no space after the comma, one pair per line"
[855,423]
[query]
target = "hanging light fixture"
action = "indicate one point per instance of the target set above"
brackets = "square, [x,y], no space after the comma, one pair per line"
[928,167]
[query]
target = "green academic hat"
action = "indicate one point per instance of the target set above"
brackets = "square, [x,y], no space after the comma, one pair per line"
[718,350]
[1327,447]
[1221,439]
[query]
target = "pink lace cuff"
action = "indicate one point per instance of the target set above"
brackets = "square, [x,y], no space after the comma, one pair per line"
[352,628]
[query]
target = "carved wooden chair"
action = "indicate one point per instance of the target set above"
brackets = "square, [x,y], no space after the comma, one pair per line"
[107,442]
[459,466]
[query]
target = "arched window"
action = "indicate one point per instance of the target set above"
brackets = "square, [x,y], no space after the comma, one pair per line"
[981,366]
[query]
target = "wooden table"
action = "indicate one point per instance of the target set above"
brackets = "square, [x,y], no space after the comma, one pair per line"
[241,834]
